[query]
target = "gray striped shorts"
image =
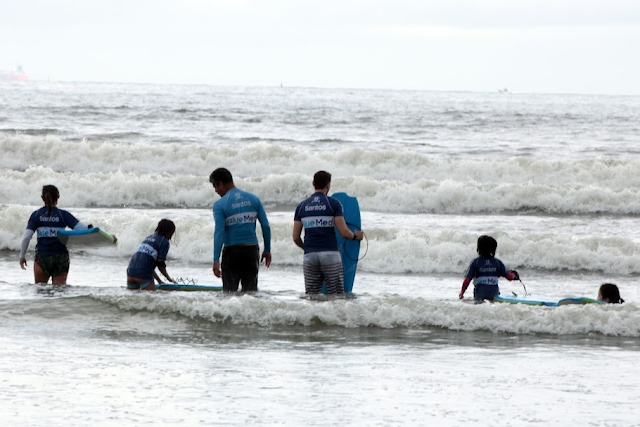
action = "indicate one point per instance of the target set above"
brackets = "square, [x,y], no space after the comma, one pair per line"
[321,267]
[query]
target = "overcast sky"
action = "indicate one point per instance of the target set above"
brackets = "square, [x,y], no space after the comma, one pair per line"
[558,46]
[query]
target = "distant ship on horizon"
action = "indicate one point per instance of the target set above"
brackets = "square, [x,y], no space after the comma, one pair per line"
[15,74]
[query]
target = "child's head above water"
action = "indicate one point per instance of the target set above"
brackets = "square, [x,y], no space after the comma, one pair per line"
[610,293]
[487,246]
[166,228]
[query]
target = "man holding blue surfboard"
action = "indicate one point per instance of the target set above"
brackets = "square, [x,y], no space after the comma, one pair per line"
[319,215]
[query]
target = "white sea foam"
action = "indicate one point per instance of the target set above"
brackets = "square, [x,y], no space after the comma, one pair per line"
[445,247]
[109,174]
[288,310]
[389,312]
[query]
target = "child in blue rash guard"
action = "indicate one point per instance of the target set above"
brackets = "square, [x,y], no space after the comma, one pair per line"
[485,271]
[52,256]
[235,216]
[151,253]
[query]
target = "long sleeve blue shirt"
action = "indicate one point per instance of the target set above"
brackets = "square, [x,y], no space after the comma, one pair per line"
[235,217]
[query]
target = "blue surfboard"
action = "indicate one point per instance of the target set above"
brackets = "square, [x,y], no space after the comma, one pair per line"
[89,236]
[349,249]
[564,301]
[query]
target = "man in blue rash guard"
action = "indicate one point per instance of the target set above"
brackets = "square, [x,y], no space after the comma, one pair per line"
[318,215]
[235,216]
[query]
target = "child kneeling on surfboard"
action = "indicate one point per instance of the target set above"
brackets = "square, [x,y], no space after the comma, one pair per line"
[151,253]
[485,271]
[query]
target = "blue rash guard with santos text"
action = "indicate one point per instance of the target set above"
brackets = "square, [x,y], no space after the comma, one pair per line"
[486,271]
[317,214]
[143,262]
[235,216]
[47,225]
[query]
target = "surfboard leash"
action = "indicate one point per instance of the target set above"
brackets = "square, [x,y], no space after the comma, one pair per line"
[344,242]
[186,281]
[525,288]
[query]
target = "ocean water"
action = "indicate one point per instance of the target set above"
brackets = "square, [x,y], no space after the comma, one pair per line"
[554,178]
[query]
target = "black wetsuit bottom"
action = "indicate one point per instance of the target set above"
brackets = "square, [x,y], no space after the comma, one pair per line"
[240,265]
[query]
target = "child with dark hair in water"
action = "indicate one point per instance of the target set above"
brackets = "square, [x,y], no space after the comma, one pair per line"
[609,293]
[151,253]
[485,271]
[52,256]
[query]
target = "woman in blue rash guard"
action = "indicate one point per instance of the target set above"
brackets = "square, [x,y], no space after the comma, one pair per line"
[151,253]
[52,256]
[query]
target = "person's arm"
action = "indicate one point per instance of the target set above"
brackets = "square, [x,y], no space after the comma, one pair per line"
[26,238]
[82,226]
[468,277]
[344,231]
[162,266]
[158,279]
[266,235]
[72,222]
[508,274]
[465,285]
[297,234]
[32,226]
[218,238]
